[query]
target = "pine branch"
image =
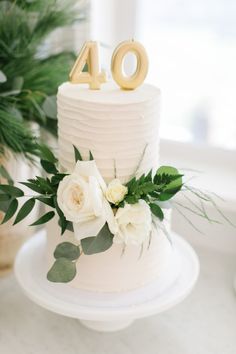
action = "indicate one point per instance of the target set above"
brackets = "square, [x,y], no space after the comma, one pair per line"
[15,135]
[31,78]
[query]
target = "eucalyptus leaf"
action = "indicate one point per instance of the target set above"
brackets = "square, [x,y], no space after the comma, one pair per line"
[67,250]
[11,190]
[100,243]
[25,210]
[62,271]
[44,219]
[10,211]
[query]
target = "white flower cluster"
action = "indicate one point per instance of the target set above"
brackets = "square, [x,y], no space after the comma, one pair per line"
[85,200]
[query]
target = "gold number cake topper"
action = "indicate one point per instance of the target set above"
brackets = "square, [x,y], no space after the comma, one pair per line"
[88,55]
[94,77]
[135,80]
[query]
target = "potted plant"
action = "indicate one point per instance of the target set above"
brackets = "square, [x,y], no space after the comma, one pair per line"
[29,77]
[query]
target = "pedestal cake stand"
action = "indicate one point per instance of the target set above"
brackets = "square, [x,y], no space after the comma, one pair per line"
[106,312]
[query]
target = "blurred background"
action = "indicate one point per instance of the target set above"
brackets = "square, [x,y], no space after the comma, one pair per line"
[192,51]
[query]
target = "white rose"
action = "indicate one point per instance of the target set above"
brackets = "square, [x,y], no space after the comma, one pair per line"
[81,197]
[134,223]
[116,191]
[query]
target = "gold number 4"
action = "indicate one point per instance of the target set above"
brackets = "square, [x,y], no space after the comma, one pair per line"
[93,77]
[88,55]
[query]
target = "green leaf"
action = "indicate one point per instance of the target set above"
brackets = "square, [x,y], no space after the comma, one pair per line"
[48,201]
[24,210]
[172,181]
[5,174]
[62,271]
[46,154]
[49,167]
[100,243]
[33,186]
[45,184]
[11,210]
[148,177]
[169,170]
[91,156]
[11,190]
[146,188]
[44,219]
[131,199]
[141,179]
[50,107]
[63,223]
[168,194]
[67,250]
[132,187]
[56,179]
[130,183]
[156,210]
[69,226]
[4,197]
[78,157]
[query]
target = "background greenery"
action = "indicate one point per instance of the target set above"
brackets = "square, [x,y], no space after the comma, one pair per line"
[29,76]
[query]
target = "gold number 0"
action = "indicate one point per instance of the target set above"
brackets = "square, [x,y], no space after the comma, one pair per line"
[135,80]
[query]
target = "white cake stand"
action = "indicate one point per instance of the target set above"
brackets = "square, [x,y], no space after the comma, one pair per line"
[100,311]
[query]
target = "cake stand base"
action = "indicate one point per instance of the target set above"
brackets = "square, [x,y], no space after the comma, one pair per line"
[106,312]
[106,326]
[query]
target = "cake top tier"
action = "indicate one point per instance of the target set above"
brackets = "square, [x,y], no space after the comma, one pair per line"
[109,94]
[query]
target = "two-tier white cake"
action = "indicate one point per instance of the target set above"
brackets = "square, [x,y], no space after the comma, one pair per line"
[121,129]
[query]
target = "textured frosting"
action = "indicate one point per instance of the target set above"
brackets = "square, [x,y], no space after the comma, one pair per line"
[121,129]
[111,271]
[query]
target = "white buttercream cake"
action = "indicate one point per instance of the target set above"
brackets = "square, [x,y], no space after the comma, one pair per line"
[121,129]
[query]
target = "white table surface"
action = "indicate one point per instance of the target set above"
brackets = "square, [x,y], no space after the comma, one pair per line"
[205,323]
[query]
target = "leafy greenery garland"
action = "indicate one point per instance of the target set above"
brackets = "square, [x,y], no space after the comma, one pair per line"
[163,186]
[155,190]
[28,76]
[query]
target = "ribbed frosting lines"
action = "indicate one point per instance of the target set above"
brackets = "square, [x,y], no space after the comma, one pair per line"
[119,128]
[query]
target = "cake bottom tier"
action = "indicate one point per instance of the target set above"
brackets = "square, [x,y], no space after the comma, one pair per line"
[115,270]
